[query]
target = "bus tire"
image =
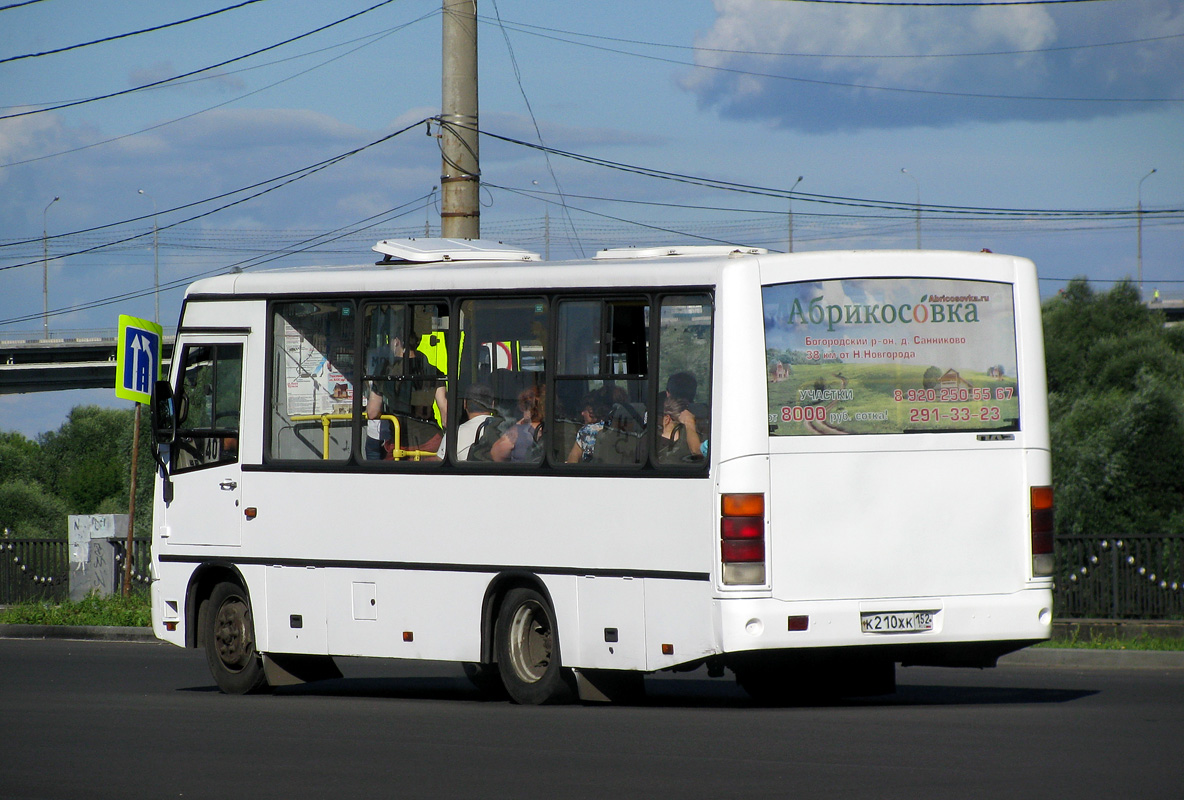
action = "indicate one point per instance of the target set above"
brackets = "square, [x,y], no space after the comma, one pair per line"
[528,649]
[230,641]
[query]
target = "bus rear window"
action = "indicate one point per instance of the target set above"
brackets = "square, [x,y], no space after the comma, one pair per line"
[890,355]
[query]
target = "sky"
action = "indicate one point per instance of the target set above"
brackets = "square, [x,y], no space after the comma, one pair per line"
[1039,123]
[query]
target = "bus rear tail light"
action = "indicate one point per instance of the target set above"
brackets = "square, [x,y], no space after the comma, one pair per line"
[742,539]
[1042,531]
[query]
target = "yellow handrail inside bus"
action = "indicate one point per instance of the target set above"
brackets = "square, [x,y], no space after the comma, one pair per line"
[327,419]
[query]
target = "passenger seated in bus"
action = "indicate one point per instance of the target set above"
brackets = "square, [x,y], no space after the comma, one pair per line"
[682,386]
[674,437]
[521,442]
[595,408]
[406,386]
[622,441]
[477,408]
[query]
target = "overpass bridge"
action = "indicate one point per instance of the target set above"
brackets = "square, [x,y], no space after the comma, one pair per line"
[84,359]
[1172,308]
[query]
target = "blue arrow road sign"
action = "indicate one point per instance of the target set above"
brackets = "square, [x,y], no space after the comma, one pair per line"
[138,363]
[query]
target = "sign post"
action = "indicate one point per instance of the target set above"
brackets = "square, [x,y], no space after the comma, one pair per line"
[137,368]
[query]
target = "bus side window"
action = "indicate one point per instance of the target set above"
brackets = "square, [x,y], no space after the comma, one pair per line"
[602,382]
[684,368]
[312,390]
[503,349]
[208,406]
[404,385]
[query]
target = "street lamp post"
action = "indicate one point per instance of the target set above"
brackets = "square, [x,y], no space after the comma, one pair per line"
[791,188]
[914,177]
[155,258]
[1139,217]
[45,264]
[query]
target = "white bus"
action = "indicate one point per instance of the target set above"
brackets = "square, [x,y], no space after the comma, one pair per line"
[805,469]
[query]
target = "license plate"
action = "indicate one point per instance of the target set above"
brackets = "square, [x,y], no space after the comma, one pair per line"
[896,622]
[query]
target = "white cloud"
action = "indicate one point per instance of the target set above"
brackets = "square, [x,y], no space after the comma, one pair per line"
[865,45]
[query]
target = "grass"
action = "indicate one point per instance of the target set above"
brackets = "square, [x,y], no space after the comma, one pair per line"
[1099,642]
[118,611]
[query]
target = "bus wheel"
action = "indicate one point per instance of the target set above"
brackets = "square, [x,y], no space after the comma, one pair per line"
[528,649]
[230,641]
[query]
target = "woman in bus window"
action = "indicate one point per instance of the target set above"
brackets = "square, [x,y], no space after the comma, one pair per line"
[682,386]
[595,410]
[521,442]
[674,440]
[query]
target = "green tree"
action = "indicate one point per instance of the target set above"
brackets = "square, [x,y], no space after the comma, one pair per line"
[1116,411]
[90,456]
[82,468]
[20,458]
[28,512]
[1084,329]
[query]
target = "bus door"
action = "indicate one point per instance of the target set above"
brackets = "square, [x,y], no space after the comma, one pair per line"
[204,456]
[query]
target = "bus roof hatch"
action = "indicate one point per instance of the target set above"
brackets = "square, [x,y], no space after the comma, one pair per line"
[426,251]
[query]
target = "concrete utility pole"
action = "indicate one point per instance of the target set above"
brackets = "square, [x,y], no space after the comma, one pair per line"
[155,257]
[914,177]
[460,177]
[791,188]
[1139,215]
[45,264]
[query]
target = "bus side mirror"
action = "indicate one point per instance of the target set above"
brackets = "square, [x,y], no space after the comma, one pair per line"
[164,420]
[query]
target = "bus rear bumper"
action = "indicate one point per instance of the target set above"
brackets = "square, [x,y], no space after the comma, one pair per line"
[955,631]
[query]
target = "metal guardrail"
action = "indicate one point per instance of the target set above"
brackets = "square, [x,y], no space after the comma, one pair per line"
[34,569]
[1132,576]
[39,569]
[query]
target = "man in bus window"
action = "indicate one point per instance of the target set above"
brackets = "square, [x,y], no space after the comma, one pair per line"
[406,386]
[478,409]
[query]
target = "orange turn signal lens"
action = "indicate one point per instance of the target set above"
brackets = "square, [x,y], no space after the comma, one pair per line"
[743,505]
[1041,498]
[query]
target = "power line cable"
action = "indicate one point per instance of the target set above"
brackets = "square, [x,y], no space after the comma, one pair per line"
[226,73]
[527,28]
[129,33]
[11,6]
[871,87]
[616,219]
[388,215]
[752,232]
[285,179]
[374,39]
[538,133]
[904,212]
[196,71]
[318,239]
[811,197]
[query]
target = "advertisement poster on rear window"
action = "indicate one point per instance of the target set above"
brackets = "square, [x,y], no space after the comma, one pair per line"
[890,355]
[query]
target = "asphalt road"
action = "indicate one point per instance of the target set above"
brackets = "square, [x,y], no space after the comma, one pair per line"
[138,720]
